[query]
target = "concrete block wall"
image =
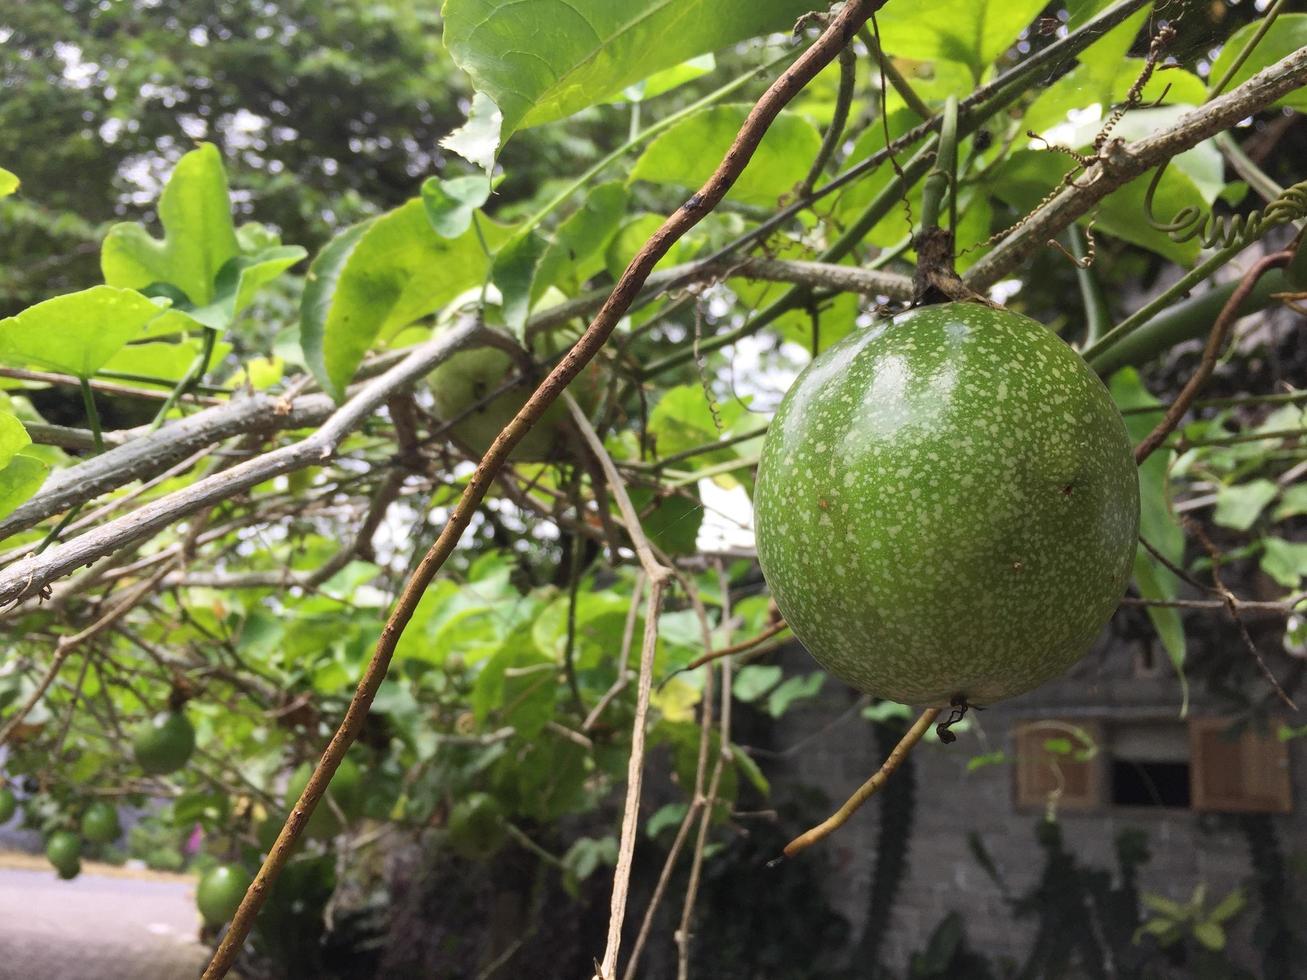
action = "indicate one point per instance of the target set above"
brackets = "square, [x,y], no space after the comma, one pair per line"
[1186,847]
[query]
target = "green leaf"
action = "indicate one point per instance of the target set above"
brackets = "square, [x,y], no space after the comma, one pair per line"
[1238,506]
[591,49]
[794,689]
[1210,935]
[21,477]
[666,816]
[1229,906]
[159,359]
[13,437]
[1293,503]
[451,203]
[1285,561]
[1164,906]
[380,276]
[1107,85]
[234,288]
[631,238]
[686,154]
[987,759]
[514,274]
[478,139]
[1111,49]
[1287,35]
[754,681]
[683,419]
[970,32]
[1028,175]
[672,521]
[78,332]
[8,182]
[198,240]
[749,769]
[517,685]
[669,78]
[577,250]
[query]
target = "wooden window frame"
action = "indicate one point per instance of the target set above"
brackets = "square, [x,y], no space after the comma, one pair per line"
[1262,762]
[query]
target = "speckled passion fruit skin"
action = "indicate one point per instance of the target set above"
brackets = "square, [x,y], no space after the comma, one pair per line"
[947,505]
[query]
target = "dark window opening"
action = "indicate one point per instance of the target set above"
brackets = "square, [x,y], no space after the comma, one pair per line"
[1136,783]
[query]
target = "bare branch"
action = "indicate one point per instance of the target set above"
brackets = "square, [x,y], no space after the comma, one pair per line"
[1121,163]
[23,578]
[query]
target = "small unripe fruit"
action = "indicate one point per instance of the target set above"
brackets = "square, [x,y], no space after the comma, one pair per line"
[100,823]
[164,743]
[220,892]
[64,851]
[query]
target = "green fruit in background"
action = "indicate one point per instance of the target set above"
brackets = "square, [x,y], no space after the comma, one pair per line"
[345,789]
[461,382]
[8,804]
[64,851]
[474,829]
[100,823]
[267,830]
[220,892]
[68,872]
[164,743]
[947,505]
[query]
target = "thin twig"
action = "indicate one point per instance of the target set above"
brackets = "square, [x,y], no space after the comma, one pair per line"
[624,657]
[841,816]
[741,647]
[1215,341]
[658,576]
[684,933]
[67,644]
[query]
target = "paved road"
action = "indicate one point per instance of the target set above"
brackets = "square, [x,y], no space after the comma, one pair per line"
[96,927]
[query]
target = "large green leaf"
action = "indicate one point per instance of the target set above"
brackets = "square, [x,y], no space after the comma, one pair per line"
[539,60]
[77,332]
[380,276]
[1287,35]
[198,238]
[971,32]
[686,154]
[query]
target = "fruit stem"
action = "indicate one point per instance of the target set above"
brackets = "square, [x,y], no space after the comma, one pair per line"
[841,816]
[941,177]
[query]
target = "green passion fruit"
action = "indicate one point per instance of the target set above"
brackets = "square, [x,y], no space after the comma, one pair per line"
[345,789]
[460,387]
[64,851]
[164,743]
[220,892]
[100,823]
[947,506]
[475,828]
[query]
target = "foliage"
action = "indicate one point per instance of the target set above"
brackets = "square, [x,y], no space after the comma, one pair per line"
[221,222]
